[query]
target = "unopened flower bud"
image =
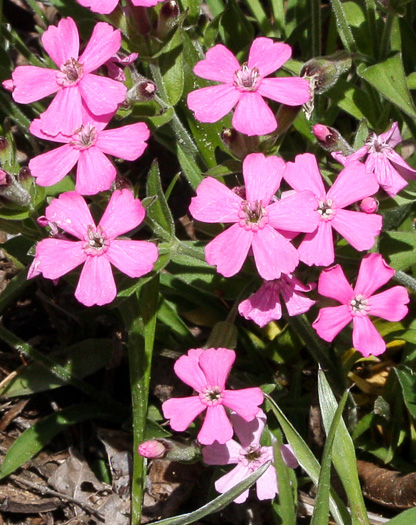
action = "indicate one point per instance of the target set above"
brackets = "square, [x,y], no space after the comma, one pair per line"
[147,90]
[240,145]
[167,18]
[331,139]
[3,178]
[369,205]
[24,173]
[324,72]
[11,190]
[4,143]
[152,449]
[8,84]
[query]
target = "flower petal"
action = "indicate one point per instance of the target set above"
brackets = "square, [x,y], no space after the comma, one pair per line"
[266,485]
[331,320]
[104,7]
[295,213]
[57,257]
[334,284]
[96,283]
[401,165]
[386,173]
[229,250]
[392,137]
[304,174]
[32,83]
[267,55]
[214,202]
[219,64]
[212,103]
[127,142]
[273,253]
[225,454]
[105,41]
[244,402]
[101,94]
[233,478]
[249,432]
[352,185]
[360,229]
[134,258]
[182,411]
[95,172]
[373,274]
[36,129]
[292,91]
[52,166]
[64,114]
[289,456]
[252,116]
[296,302]
[62,42]
[317,248]
[263,306]
[262,177]
[123,213]
[188,370]
[365,337]
[216,364]
[216,426]
[390,304]
[70,212]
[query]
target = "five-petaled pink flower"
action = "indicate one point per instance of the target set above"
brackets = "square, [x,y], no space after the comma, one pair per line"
[206,372]
[351,185]
[257,217]
[87,146]
[249,456]
[387,165]
[264,305]
[104,7]
[96,246]
[74,81]
[358,303]
[245,86]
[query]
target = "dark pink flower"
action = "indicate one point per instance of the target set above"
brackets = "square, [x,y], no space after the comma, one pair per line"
[206,372]
[116,64]
[249,456]
[257,217]
[389,168]
[245,86]
[104,7]
[96,246]
[73,82]
[264,305]
[351,185]
[358,303]
[87,146]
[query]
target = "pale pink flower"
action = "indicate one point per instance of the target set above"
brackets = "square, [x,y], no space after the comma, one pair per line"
[249,456]
[245,86]
[116,64]
[206,372]
[351,185]
[264,305]
[73,82]
[87,146]
[358,303]
[96,246]
[257,217]
[104,7]
[389,168]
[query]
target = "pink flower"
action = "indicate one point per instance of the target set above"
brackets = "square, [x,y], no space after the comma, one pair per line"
[264,305]
[8,84]
[74,81]
[152,449]
[380,158]
[249,456]
[116,63]
[104,7]
[87,146]
[351,185]
[244,86]
[96,246]
[369,205]
[358,303]
[206,372]
[256,217]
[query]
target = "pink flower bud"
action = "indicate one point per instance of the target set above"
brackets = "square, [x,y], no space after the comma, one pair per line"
[8,84]
[369,205]
[152,449]
[3,178]
[321,132]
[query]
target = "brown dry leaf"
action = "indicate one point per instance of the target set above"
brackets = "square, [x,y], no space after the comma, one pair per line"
[118,446]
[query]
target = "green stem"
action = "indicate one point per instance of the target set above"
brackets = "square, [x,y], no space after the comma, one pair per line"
[140,321]
[316,30]
[344,28]
[278,9]
[386,36]
[371,21]
[405,280]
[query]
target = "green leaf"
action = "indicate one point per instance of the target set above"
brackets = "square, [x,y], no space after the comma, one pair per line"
[238,31]
[389,79]
[13,289]
[189,166]
[407,380]
[408,517]
[343,452]
[159,213]
[399,249]
[171,68]
[218,503]
[81,359]
[344,29]
[32,440]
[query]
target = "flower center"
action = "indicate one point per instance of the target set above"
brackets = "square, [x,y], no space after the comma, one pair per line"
[252,215]
[97,242]
[359,306]
[254,456]
[70,74]
[326,210]
[84,137]
[375,145]
[211,396]
[247,78]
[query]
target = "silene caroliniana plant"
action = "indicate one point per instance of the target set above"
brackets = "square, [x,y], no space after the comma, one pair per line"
[232,196]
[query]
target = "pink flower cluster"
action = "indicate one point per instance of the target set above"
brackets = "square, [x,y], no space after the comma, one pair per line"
[104,7]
